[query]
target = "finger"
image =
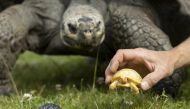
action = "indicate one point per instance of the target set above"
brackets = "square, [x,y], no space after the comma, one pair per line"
[108,75]
[116,61]
[120,59]
[151,79]
[124,56]
[113,65]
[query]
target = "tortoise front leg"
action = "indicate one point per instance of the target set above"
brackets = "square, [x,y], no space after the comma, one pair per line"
[135,27]
[15,23]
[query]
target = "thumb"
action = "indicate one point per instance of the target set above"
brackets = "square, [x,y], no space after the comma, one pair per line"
[151,79]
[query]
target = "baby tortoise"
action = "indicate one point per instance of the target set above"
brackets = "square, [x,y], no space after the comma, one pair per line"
[126,78]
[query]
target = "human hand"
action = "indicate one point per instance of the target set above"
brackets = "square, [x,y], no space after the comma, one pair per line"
[153,65]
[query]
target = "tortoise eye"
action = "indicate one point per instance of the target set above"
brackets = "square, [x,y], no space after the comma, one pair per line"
[72,28]
[98,26]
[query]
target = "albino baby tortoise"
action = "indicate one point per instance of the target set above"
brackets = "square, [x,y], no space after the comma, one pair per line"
[126,78]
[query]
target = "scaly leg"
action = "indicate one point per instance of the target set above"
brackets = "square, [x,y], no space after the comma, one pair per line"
[15,23]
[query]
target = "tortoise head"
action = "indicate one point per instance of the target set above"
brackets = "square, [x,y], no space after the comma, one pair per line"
[82,27]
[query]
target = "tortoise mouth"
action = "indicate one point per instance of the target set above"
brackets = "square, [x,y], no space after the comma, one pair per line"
[69,41]
[85,36]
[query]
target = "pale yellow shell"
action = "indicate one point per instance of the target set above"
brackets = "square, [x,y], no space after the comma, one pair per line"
[129,74]
[126,78]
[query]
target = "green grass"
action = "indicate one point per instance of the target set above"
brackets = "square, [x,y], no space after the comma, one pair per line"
[39,75]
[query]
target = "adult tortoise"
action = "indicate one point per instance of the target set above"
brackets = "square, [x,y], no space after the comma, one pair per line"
[81,27]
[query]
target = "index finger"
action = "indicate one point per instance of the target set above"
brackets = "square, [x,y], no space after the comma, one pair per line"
[114,65]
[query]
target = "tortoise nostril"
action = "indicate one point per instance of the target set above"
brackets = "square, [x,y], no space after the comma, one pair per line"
[72,28]
[87,31]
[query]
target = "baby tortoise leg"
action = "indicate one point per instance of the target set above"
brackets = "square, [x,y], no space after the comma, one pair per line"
[133,28]
[134,87]
[13,28]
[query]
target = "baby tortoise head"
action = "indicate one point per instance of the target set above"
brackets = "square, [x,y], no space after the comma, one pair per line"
[82,27]
[126,78]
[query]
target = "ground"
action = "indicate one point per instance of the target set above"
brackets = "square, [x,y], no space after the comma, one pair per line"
[39,75]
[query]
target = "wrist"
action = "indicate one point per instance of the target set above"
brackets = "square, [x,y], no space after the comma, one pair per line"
[177,57]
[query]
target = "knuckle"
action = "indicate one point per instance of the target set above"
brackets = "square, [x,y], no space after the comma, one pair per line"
[106,72]
[111,63]
[120,51]
[140,49]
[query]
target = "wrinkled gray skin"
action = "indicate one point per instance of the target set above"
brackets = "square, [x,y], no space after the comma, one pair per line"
[80,27]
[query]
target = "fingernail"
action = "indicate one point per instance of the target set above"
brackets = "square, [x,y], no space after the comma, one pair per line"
[107,80]
[145,85]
